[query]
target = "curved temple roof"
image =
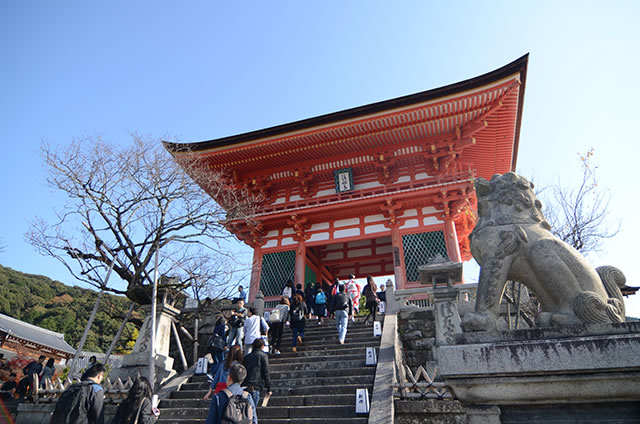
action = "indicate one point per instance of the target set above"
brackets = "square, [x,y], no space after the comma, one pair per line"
[484,113]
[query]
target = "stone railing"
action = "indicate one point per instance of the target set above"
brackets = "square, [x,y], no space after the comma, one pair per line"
[419,384]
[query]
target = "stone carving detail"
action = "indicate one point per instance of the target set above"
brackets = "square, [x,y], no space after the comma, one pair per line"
[512,241]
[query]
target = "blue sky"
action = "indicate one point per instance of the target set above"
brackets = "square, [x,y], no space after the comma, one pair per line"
[206,69]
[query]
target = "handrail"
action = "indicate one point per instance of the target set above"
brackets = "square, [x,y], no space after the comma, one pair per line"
[382,408]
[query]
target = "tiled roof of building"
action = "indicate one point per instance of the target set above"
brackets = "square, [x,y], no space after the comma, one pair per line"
[34,334]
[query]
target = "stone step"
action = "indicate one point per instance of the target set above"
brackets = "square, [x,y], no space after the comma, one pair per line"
[320,389]
[329,338]
[326,411]
[360,419]
[330,327]
[327,372]
[317,353]
[276,400]
[302,380]
[317,384]
[315,411]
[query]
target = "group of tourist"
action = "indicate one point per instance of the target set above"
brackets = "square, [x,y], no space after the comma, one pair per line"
[11,387]
[238,380]
[250,370]
[296,306]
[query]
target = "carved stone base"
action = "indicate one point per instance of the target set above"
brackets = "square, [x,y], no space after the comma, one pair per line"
[560,366]
[137,362]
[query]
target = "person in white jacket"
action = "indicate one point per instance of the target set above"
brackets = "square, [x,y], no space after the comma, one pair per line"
[254,327]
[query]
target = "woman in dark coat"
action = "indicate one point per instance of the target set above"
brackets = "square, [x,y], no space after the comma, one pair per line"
[369,293]
[137,407]
[220,329]
[310,300]
[297,320]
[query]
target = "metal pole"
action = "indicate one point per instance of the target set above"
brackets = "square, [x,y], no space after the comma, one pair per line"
[519,302]
[119,333]
[195,341]
[83,339]
[152,339]
[179,343]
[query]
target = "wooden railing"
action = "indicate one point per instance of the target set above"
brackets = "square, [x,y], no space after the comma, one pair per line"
[114,391]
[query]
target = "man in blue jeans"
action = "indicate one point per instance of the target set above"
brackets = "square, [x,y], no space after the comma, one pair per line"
[343,309]
[257,365]
[237,374]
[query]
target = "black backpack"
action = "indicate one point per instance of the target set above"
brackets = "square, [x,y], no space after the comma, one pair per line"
[73,405]
[238,409]
[297,314]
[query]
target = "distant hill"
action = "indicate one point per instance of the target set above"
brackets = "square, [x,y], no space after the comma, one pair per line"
[50,304]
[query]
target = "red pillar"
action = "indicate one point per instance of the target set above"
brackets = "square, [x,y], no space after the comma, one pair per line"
[256,273]
[301,255]
[451,239]
[399,271]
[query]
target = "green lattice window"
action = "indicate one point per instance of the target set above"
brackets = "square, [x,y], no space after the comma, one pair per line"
[277,268]
[419,249]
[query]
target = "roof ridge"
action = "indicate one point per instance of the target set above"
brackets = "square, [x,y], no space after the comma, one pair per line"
[54,333]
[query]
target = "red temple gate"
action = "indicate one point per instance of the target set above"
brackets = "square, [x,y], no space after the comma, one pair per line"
[374,190]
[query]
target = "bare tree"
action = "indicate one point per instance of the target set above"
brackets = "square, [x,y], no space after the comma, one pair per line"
[124,204]
[580,216]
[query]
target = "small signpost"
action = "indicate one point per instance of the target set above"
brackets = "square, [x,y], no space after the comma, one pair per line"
[372,358]
[202,366]
[377,329]
[362,401]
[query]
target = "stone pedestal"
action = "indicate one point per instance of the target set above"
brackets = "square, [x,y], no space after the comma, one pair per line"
[137,362]
[441,275]
[446,314]
[555,367]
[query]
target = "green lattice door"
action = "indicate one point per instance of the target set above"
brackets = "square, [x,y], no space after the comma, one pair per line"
[277,268]
[419,249]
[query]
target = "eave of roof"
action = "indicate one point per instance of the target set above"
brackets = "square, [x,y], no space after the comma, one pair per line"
[34,334]
[519,65]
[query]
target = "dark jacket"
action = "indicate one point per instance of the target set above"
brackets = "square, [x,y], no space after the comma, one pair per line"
[146,414]
[257,365]
[342,301]
[34,367]
[91,412]
[298,324]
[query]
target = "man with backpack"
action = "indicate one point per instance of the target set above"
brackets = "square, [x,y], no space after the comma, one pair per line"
[236,322]
[232,405]
[279,315]
[321,305]
[342,308]
[82,403]
[257,365]
[297,320]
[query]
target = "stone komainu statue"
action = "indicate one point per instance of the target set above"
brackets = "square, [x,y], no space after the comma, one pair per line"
[512,241]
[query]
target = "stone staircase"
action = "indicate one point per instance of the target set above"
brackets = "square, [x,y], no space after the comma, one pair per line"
[315,385]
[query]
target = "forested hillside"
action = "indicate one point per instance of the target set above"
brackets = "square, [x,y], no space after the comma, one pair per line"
[51,304]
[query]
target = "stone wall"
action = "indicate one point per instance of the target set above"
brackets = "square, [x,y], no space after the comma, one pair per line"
[416,329]
[429,411]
